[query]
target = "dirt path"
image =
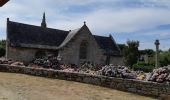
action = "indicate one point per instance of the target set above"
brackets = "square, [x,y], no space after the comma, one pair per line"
[24,87]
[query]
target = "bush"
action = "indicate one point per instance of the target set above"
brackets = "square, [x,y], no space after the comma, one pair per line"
[131,53]
[2,47]
[164,58]
[2,51]
[142,66]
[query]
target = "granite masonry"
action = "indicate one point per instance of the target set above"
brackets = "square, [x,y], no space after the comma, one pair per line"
[75,46]
[140,87]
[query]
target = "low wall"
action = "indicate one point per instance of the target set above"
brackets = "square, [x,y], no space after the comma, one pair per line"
[130,85]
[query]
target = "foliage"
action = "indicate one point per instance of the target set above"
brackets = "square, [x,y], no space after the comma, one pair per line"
[3,43]
[2,47]
[150,54]
[122,47]
[2,52]
[142,66]
[147,51]
[164,58]
[151,60]
[131,53]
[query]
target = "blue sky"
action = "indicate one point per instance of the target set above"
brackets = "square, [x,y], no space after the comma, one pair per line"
[143,20]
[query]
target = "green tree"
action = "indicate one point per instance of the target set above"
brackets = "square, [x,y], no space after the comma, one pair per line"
[2,47]
[131,53]
[149,52]
[122,47]
[164,58]
[3,43]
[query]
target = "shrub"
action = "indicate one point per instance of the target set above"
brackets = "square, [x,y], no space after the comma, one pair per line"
[2,51]
[2,47]
[142,66]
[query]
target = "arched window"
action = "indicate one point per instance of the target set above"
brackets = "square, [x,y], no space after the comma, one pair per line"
[83,50]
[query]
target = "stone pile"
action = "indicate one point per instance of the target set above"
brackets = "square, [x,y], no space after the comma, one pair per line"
[117,71]
[160,75]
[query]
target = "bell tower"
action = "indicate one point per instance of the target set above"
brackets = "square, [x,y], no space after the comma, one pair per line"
[43,23]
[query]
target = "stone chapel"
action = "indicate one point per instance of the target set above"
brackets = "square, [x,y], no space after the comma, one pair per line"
[72,47]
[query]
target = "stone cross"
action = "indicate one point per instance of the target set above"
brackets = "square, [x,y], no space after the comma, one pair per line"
[157,54]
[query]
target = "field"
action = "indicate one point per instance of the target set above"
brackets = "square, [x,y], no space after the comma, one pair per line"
[25,87]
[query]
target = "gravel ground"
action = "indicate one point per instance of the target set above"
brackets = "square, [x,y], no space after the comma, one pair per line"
[25,87]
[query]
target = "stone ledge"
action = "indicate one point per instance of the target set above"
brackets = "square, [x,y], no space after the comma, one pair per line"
[136,86]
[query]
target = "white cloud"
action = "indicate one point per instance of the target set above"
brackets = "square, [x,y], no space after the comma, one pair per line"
[165,3]
[129,20]
[109,16]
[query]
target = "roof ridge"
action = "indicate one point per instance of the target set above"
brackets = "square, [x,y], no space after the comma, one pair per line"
[20,33]
[70,35]
[101,36]
[36,26]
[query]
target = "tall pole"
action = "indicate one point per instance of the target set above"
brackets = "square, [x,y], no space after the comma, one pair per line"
[157,54]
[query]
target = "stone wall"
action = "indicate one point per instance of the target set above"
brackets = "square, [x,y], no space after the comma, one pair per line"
[70,52]
[118,60]
[21,54]
[25,55]
[130,85]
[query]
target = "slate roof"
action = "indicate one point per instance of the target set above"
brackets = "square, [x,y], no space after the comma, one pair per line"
[108,45]
[71,34]
[24,35]
[21,34]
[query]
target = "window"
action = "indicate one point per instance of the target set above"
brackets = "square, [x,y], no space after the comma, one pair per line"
[83,49]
